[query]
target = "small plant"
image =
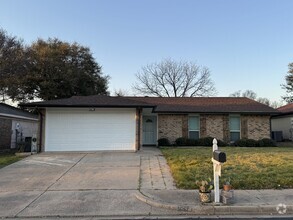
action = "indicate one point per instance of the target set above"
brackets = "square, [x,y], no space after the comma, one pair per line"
[181,141]
[227,185]
[191,142]
[204,185]
[164,142]
[206,141]
[244,142]
[266,142]
[228,181]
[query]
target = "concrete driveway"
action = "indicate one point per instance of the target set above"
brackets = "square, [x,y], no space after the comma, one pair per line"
[76,184]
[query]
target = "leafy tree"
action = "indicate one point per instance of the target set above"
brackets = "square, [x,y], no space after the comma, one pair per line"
[58,69]
[174,79]
[289,84]
[12,62]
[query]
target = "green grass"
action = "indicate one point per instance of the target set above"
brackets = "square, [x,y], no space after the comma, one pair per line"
[248,168]
[6,159]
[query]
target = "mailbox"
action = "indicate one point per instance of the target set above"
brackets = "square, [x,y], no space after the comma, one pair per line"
[219,156]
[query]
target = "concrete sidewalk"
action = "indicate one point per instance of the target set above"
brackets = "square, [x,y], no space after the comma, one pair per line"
[246,202]
[115,185]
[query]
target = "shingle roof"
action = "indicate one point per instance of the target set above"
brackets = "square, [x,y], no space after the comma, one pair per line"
[207,104]
[165,104]
[286,108]
[90,101]
[10,111]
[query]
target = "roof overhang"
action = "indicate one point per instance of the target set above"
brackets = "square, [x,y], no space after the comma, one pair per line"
[18,116]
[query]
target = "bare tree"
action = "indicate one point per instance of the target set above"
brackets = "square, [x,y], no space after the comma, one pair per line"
[264,101]
[252,95]
[174,79]
[121,92]
[247,93]
[236,94]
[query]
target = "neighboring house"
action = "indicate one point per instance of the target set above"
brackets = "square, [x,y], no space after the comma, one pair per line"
[283,122]
[89,123]
[15,125]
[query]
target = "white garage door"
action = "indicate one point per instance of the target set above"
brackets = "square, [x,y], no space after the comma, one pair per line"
[85,130]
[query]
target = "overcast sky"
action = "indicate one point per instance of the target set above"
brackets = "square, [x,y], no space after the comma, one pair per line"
[245,44]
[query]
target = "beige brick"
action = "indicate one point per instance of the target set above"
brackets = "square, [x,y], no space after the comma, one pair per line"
[214,126]
[258,126]
[172,126]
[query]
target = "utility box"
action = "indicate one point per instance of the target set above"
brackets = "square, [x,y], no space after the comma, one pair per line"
[34,144]
[277,136]
[219,156]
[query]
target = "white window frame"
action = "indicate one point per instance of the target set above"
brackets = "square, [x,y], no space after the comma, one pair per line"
[238,116]
[198,116]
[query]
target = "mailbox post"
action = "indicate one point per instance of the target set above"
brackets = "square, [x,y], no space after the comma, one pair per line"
[218,158]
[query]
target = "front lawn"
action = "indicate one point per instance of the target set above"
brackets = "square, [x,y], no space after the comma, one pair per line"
[248,168]
[7,158]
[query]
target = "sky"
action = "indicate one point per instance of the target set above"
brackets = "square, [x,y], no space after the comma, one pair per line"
[246,44]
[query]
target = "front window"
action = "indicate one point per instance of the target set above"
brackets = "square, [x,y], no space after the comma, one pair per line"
[193,127]
[234,128]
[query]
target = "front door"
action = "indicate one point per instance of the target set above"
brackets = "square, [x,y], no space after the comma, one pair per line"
[149,130]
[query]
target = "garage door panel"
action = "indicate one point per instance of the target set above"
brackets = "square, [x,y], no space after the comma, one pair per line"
[81,130]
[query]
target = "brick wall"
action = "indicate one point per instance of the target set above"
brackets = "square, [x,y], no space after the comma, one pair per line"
[255,126]
[5,133]
[172,126]
[214,126]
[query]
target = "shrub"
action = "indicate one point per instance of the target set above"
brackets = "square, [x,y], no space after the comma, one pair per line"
[206,141]
[191,142]
[222,143]
[181,141]
[244,142]
[266,142]
[164,142]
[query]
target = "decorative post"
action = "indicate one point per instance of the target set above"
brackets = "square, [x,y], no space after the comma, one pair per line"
[217,168]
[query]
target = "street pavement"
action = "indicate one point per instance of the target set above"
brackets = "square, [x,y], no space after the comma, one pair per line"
[117,185]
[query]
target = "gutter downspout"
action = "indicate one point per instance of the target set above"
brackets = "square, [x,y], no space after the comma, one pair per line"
[41,130]
[139,129]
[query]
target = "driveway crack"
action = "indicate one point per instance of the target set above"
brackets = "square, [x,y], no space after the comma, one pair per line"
[50,185]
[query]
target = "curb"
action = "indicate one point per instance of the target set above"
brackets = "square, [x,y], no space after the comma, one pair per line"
[216,209]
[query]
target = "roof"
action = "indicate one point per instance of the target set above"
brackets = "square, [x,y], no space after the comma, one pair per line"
[10,111]
[90,101]
[164,104]
[207,104]
[286,109]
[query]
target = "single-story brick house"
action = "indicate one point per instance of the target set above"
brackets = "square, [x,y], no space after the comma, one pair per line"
[284,122]
[89,123]
[15,124]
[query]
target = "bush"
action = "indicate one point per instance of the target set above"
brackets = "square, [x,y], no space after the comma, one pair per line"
[191,142]
[206,141]
[222,143]
[164,142]
[266,142]
[244,142]
[181,141]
